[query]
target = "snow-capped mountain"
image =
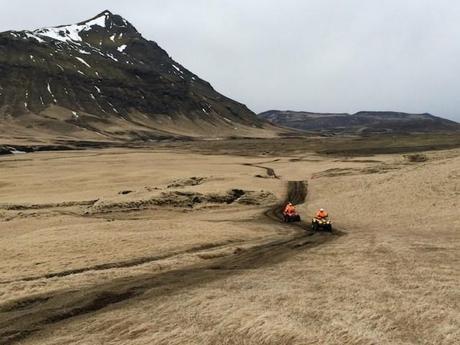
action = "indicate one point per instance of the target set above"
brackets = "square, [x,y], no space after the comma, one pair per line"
[101,79]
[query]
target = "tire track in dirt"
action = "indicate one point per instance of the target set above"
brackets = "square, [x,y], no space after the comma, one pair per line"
[137,261]
[125,264]
[270,171]
[28,207]
[24,317]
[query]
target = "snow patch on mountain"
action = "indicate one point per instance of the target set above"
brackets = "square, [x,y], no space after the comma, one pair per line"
[35,37]
[71,33]
[177,68]
[82,61]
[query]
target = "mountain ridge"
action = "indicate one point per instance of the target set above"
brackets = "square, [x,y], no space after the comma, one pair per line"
[360,122]
[100,79]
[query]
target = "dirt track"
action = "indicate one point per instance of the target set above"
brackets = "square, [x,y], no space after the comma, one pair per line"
[22,318]
[270,171]
[234,273]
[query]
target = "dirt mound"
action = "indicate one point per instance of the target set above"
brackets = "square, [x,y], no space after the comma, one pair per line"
[335,172]
[23,207]
[191,181]
[416,158]
[178,199]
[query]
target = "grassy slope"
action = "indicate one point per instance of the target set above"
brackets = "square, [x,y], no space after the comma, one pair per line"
[393,279]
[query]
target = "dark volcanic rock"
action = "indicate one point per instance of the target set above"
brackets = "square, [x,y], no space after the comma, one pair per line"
[102,76]
[361,122]
[5,150]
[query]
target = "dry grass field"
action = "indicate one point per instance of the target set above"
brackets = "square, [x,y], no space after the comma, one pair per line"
[174,245]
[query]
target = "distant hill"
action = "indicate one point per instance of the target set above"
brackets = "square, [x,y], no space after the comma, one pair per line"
[101,80]
[361,122]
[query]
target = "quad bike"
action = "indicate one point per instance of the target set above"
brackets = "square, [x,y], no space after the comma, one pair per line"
[293,217]
[321,224]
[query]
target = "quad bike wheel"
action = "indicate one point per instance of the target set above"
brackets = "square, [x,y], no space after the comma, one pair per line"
[317,226]
[289,219]
[314,226]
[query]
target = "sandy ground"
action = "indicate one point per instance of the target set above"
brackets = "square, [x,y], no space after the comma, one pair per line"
[171,247]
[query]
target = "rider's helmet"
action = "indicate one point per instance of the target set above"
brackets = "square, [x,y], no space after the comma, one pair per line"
[321,209]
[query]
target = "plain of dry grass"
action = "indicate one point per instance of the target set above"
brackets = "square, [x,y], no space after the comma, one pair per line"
[392,279]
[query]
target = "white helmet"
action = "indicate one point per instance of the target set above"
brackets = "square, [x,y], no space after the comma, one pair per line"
[321,209]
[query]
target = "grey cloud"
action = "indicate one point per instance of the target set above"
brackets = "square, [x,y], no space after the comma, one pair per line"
[318,55]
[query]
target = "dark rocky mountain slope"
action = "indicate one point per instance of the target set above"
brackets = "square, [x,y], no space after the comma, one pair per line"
[361,122]
[100,79]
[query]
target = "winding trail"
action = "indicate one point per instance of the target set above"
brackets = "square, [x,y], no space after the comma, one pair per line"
[126,263]
[22,318]
[270,171]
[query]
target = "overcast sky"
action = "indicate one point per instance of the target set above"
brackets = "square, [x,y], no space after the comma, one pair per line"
[314,55]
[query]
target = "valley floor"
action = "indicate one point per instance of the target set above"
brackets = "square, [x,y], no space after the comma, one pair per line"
[166,246]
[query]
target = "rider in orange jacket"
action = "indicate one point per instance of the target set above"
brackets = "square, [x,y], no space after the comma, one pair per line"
[289,209]
[321,214]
